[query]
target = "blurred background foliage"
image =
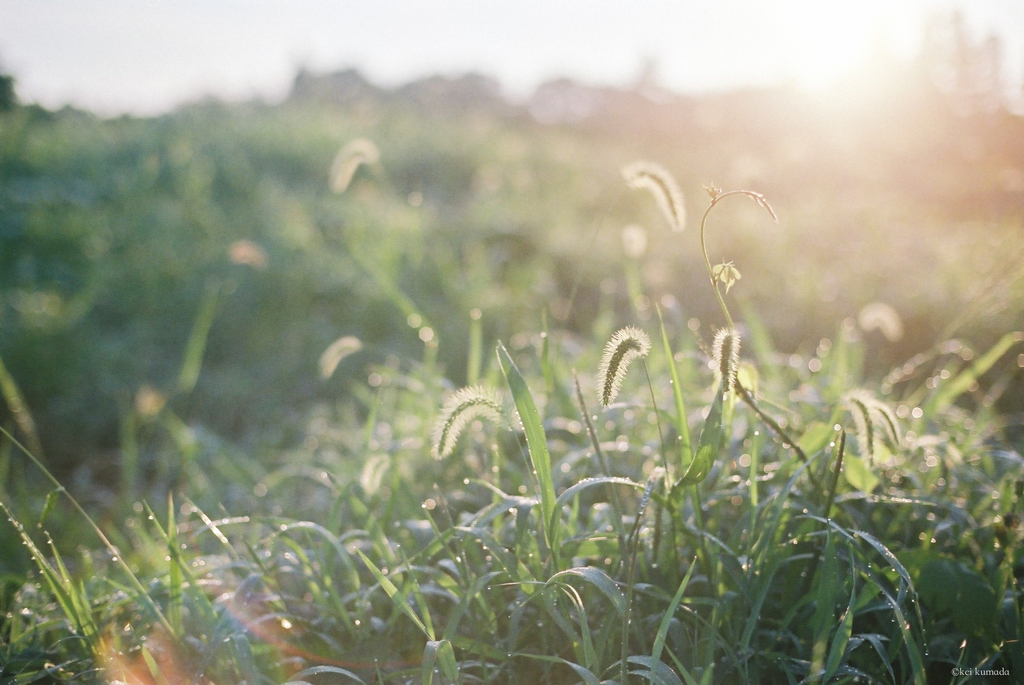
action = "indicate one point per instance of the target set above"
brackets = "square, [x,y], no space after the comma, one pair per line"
[903,185]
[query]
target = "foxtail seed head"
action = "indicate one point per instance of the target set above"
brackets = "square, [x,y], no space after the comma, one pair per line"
[335,352]
[458,411]
[882,317]
[869,415]
[726,355]
[662,185]
[356,152]
[626,345]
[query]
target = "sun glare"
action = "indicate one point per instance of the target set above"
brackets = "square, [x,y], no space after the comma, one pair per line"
[824,42]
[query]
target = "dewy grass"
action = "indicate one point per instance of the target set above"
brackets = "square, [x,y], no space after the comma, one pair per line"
[117,556]
[525,572]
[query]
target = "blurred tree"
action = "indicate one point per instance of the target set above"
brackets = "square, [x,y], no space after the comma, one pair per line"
[7,97]
[969,72]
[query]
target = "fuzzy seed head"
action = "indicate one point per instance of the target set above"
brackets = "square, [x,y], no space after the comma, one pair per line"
[874,420]
[881,317]
[458,412]
[356,152]
[335,352]
[726,356]
[625,345]
[662,185]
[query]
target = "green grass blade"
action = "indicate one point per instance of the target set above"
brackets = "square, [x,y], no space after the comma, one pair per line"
[910,643]
[666,621]
[589,656]
[174,580]
[950,391]
[60,591]
[843,633]
[196,346]
[682,425]
[11,395]
[824,608]
[417,594]
[587,483]
[187,579]
[536,441]
[400,602]
[599,580]
[51,500]
[584,673]
[315,670]
[545,354]
[708,444]
[656,672]
[439,653]
[474,362]
[755,612]
[386,284]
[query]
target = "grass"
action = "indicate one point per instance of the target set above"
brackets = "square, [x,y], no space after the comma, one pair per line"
[562,545]
[787,493]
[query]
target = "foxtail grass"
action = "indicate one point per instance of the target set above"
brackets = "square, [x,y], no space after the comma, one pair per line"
[874,420]
[726,356]
[459,411]
[335,352]
[625,345]
[656,179]
[356,152]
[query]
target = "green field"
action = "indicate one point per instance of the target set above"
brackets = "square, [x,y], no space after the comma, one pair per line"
[840,503]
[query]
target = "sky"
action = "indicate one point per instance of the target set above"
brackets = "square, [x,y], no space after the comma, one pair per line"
[146,56]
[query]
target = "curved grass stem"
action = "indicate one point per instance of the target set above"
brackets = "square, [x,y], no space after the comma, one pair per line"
[748,399]
[603,459]
[716,197]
